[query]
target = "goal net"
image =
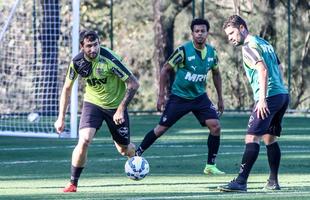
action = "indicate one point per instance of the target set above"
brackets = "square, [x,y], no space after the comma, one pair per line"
[35,50]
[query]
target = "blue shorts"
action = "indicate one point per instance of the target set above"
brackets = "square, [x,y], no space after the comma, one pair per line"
[177,107]
[92,117]
[277,106]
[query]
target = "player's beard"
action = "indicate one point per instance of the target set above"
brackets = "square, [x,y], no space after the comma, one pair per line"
[241,38]
[92,55]
[239,41]
[200,40]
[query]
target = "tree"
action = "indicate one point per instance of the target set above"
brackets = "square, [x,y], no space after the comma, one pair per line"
[165,12]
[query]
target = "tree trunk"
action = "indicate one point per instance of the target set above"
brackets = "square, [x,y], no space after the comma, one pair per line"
[268,30]
[165,12]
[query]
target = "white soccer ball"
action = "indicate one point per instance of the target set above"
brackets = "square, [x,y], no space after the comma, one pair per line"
[136,168]
[33,117]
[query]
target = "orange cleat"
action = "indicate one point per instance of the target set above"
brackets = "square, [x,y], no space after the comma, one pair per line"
[70,188]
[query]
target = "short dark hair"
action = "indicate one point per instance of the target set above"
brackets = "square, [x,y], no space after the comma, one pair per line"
[200,21]
[89,34]
[235,21]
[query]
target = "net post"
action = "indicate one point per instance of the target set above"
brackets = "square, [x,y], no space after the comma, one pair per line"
[75,51]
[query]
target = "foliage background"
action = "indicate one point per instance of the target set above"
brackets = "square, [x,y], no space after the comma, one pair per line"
[137,38]
[134,41]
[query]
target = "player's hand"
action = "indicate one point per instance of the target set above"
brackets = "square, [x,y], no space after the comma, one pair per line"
[118,117]
[59,126]
[161,103]
[220,107]
[262,109]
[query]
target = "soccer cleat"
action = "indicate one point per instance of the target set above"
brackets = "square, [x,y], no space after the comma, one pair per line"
[272,185]
[233,186]
[212,170]
[70,188]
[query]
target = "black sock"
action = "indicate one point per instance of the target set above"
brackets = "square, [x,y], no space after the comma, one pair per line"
[148,140]
[213,148]
[75,174]
[274,157]
[249,157]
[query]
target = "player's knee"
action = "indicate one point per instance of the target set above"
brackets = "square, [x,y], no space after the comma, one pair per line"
[252,139]
[215,129]
[269,139]
[84,143]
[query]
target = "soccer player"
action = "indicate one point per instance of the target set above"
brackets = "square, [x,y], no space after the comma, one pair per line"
[191,63]
[110,86]
[264,71]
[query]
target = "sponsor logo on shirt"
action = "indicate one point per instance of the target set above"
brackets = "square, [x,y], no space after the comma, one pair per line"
[95,81]
[267,48]
[195,77]
[210,59]
[190,58]
[193,67]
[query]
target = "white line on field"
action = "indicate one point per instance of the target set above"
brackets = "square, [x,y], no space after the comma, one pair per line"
[155,145]
[231,195]
[122,158]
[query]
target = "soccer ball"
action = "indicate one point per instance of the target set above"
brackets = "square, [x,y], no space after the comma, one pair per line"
[33,117]
[136,168]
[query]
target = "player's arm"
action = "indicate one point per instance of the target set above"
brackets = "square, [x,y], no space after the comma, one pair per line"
[252,55]
[64,99]
[261,107]
[132,86]
[175,60]
[163,81]
[217,80]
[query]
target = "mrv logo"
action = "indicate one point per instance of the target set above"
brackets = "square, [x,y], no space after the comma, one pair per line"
[195,77]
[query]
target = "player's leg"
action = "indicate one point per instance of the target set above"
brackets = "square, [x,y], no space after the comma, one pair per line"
[79,155]
[126,150]
[249,157]
[91,120]
[206,114]
[213,146]
[150,138]
[175,109]
[120,133]
[277,104]
[274,158]
[256,129]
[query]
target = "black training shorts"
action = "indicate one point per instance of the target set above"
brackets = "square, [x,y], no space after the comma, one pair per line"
[92,117]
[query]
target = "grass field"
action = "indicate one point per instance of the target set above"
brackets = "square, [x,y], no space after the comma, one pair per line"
[36,168]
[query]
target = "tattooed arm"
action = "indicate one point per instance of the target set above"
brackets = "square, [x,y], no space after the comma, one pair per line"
[132,87]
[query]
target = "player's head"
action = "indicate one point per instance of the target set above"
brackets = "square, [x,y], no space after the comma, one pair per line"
[89,43]
[236,30]
[200,28]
